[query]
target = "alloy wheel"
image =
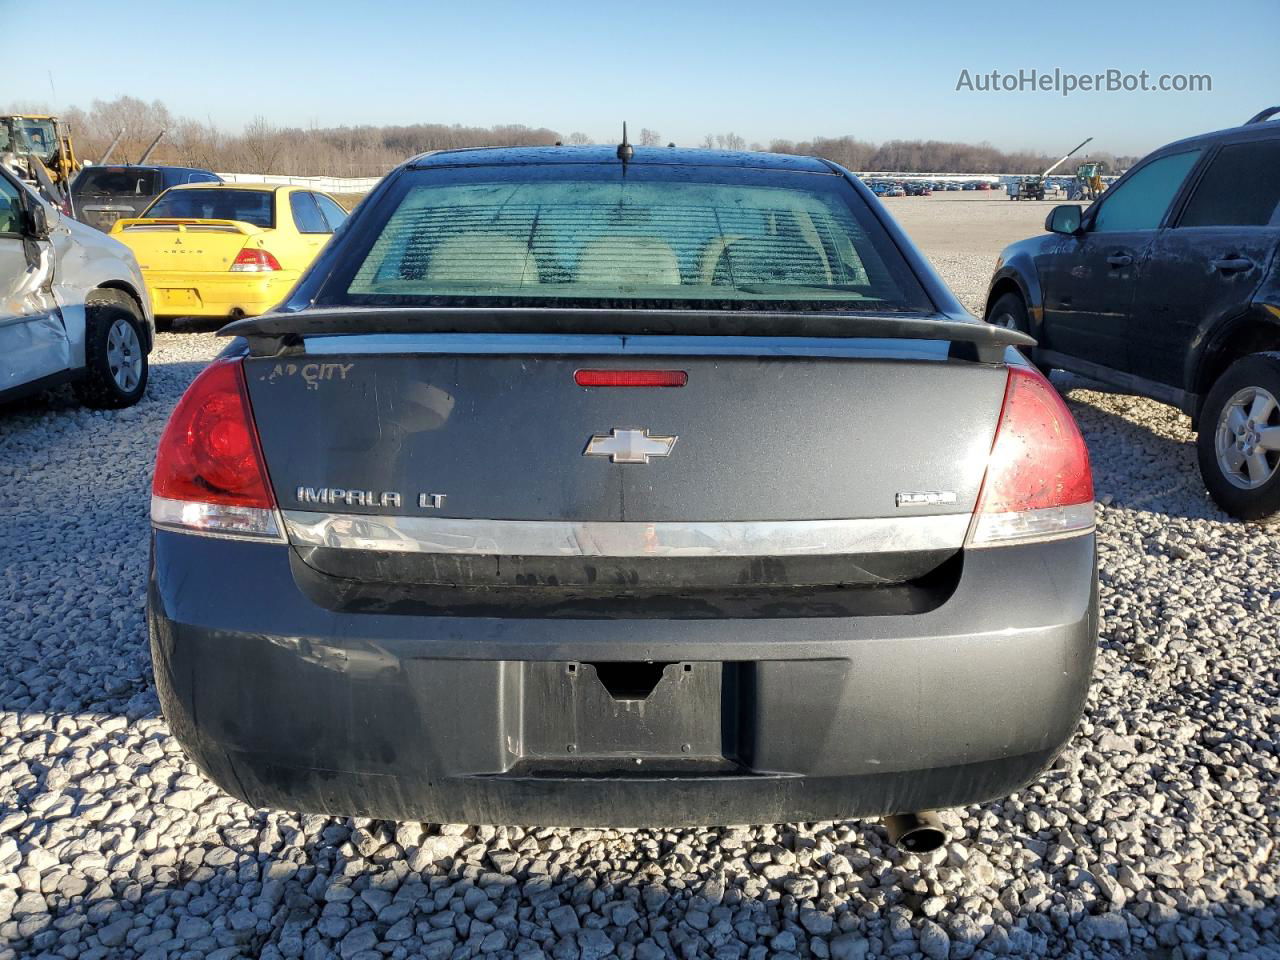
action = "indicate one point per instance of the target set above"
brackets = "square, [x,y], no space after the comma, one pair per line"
[1248,438]
[124,355]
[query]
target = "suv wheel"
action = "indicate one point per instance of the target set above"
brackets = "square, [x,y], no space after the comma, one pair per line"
[115,360]
[1239,441]
[1010,311]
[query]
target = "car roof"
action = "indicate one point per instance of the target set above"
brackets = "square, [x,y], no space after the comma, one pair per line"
[141,166]
[680,156]
[264,187]
[1264,130]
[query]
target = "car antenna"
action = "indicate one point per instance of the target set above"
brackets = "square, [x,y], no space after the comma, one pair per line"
[625,150]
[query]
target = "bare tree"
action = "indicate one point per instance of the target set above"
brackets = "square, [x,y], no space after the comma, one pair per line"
[197,144]
[353,151]
[138,120]
[261,146]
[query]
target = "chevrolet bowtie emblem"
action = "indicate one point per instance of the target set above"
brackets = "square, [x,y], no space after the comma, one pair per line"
[629,446]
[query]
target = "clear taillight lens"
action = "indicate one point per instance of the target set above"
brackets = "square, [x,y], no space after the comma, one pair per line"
[1038,484]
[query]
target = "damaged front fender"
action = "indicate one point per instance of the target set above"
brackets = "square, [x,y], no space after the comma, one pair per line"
[33,337]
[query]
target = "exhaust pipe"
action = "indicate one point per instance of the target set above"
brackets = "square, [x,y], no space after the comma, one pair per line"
[915,832]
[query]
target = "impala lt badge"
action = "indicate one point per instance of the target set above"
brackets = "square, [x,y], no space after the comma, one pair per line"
[629,446]
[925,498]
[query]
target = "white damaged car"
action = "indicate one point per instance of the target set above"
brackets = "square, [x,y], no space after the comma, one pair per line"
[73,306]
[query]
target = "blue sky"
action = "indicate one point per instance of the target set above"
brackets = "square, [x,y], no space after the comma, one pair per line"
[761,69]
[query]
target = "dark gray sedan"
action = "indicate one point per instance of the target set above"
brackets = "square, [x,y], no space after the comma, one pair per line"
[652,487]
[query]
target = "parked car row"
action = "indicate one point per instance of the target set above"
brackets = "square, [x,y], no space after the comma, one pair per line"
[82,305]
[207,249]
[924,188]
[885,188]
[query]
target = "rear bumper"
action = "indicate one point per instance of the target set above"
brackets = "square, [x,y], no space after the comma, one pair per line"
[192,293]
[285,703]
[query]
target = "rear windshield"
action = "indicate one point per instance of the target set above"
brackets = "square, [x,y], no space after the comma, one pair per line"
[654,235]
[247,206]
[116,182]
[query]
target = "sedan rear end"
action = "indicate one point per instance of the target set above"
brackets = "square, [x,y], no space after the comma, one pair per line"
[588,492]
[214,251]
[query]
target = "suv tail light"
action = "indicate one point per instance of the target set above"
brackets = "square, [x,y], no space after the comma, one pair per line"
[254,260]
[210,476]
[1038,484]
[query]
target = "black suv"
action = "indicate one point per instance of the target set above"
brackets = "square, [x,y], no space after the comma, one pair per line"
[102,195]
[1168,286]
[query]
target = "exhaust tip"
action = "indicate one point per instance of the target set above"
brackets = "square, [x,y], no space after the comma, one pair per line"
[915,832]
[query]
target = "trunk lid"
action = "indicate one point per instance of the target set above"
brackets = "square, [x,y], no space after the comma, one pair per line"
[169,244]
[828,467]
[102,213]
[422,429]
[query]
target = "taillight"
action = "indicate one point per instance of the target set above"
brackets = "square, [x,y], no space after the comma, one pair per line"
[1038,484]
[630,378]
[210,476]
[254,260]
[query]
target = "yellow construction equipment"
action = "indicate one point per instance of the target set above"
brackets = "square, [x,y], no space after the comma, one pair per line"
[1089,176]
[1032,188]
[38,149]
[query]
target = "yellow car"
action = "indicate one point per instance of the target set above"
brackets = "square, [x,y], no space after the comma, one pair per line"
[227,249]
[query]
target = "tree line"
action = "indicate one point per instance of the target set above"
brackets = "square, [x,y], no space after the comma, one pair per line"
[372,150]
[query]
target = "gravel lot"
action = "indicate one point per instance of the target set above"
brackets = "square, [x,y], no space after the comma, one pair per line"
[1157,834]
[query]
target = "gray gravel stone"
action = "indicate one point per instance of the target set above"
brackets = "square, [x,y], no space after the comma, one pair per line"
[1107,926]
[564,920]
[816,922]
[594,944]
[113,934]
[849,946]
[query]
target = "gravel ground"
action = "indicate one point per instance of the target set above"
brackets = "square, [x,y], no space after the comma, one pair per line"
[1157,833]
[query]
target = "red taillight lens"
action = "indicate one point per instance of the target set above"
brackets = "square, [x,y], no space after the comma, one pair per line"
[254,260]
[210,475]
[630,378]
[1038,483]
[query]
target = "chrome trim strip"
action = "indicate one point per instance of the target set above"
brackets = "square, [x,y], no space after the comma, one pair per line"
[551,538]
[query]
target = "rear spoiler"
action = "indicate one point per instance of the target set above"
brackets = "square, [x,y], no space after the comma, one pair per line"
[184,224]
[276,333]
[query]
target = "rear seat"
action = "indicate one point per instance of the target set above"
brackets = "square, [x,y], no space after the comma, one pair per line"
[622,259]
[483,257]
